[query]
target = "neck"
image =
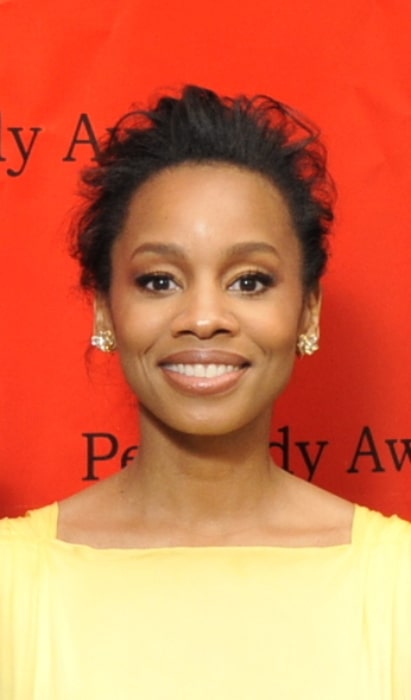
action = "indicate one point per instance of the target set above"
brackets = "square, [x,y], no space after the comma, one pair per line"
[198,480]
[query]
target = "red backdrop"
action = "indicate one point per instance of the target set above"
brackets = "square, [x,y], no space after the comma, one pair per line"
[346,417]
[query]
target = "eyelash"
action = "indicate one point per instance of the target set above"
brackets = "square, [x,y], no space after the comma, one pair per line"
[264,279]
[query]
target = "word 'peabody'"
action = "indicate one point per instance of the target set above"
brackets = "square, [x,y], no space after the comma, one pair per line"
[393,453]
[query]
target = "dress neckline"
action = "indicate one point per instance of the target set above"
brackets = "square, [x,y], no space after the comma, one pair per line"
[50,522]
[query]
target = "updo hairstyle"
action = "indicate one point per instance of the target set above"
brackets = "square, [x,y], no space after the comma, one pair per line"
[259,134]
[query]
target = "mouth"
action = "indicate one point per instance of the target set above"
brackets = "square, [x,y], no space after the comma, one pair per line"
[204,372]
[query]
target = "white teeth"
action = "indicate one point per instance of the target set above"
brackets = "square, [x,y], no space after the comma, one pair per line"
[198,370]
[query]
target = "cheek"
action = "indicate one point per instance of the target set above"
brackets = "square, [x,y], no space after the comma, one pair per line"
[136,337]
[275,328]
[136,325]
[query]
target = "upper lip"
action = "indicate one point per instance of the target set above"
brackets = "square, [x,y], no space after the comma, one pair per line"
[204,357]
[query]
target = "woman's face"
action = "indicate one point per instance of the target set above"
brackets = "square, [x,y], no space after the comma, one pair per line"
[206,300]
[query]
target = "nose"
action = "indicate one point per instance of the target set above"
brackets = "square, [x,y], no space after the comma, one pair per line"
[204,313]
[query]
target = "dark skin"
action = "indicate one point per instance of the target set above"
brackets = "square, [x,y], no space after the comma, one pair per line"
[209,264]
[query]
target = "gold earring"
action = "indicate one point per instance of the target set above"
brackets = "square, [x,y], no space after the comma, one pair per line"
[308,343]
[104,341]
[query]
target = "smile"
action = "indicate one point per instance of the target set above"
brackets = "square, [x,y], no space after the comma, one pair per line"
[202,370]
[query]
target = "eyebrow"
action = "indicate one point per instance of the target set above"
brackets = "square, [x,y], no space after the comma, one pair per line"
[159,249]
[252,247]
[238,249]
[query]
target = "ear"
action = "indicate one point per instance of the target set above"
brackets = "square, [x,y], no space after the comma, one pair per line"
[102,315]
[311,312]
[103,337]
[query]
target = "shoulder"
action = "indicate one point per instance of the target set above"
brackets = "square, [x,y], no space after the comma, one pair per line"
[23,563]
[382,548]
[384,545]
[384,566]
[22,545]
[22,539]
[35,525]
[375,530]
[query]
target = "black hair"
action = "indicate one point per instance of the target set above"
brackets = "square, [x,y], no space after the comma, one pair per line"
[198,126]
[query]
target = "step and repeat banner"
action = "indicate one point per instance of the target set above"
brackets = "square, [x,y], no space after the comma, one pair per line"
[68,70]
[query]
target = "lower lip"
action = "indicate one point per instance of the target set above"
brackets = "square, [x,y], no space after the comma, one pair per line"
[204,385]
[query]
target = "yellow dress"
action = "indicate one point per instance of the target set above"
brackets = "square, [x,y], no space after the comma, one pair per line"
[207,623]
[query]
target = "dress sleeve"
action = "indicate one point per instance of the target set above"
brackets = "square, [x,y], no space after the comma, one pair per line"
[21,547]
[401,652]
[386,608]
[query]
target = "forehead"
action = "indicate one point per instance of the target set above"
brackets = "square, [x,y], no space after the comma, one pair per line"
[208,203]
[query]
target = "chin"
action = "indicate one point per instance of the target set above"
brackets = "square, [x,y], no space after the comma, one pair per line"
[205,423]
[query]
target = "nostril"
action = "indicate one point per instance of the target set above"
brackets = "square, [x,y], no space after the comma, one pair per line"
[204,331]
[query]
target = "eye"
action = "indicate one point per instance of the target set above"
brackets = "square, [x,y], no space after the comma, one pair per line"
[157,282]
[252,282]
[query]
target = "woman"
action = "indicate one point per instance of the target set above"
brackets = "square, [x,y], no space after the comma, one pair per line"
[202,570]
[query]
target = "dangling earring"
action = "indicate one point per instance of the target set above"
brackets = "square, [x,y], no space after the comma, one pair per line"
[104,341]
[308,343]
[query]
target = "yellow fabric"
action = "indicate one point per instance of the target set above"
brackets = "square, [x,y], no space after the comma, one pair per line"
[229,623]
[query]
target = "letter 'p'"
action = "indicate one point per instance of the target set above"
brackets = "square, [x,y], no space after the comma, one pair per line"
[95,455]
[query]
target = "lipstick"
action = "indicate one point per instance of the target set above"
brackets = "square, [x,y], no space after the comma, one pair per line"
[204,372]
